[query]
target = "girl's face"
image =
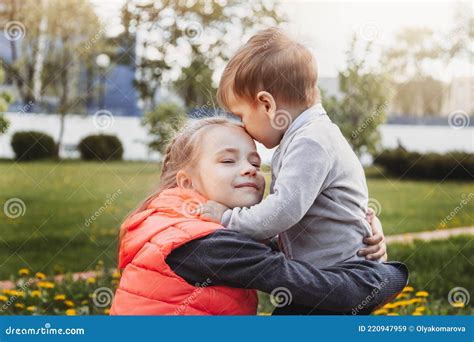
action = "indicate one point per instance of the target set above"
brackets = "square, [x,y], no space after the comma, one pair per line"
[228,169]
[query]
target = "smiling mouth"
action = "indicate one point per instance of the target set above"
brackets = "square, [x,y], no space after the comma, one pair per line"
[247,185]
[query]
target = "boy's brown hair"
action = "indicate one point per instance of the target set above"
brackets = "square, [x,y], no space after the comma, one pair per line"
[273,62]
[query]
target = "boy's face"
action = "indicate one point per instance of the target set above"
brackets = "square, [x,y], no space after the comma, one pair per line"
[257,121]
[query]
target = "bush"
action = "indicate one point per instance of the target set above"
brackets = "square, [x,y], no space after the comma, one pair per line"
[32,145]
[401,163]
[162,123]
[101,147]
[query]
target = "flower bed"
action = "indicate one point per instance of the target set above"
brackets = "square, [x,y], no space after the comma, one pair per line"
[88,293]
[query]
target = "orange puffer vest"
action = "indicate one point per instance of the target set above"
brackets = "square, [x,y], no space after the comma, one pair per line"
[148,285]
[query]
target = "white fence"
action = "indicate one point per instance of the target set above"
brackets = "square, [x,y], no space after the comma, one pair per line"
[134,136]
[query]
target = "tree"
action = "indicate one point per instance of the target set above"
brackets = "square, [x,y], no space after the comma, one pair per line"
[183,43]
[161,123]
[5,99]
[363,105]
[65,36]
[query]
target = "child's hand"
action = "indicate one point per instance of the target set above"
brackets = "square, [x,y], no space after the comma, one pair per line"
[212,211]
[377,247]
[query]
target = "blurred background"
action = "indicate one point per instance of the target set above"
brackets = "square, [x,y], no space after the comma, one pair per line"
[91,91]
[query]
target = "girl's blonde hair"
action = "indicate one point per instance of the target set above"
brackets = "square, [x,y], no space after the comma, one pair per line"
[181,153]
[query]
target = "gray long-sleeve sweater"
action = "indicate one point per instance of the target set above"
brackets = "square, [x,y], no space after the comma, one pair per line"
[318,195]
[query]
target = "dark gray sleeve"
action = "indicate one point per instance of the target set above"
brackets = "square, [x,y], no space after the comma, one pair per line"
[230,258]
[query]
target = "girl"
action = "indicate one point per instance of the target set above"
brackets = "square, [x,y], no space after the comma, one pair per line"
[175,263]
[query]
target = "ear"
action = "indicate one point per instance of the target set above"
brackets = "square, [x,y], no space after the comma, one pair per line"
[183,180]
[266,102]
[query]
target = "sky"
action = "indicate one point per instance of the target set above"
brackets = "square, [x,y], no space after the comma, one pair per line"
[327,26]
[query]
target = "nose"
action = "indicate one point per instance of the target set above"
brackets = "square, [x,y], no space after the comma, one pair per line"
[249,170]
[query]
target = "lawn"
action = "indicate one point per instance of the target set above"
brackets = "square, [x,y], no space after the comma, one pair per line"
[55,235]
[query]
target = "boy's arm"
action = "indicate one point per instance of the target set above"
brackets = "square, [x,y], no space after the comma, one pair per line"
[305,167]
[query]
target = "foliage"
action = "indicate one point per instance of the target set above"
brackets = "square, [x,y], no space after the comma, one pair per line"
[185,42]
[162,123]
[5,99]
[363,104]
[33,145]
[100,147]
[401,163]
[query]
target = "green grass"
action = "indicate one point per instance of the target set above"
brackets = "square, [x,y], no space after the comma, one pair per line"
[52,235]
[436,267]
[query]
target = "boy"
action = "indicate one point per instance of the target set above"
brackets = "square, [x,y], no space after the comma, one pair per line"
[318,199]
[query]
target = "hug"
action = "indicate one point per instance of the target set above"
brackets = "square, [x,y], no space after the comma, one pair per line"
[207,239]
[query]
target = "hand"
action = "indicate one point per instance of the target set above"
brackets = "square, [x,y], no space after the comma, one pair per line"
[377,248]
[212,211]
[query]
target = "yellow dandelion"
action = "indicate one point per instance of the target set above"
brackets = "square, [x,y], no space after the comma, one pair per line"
[23,271]
[381,312]
[408,289]
[31,308]
[458,304]
[60,297]
[15,293]
[422,294]
[71,312]
[421,309]
[40,275]
[116,274]
[107,311]
[91,280]
[35,293]
[389,306]
[6,291]
[402,295]
[69,303]
[415,300]
[19,305]
[393,314]
[402,303]
[46,284]
[417,313]
[3,298]
[85,302]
